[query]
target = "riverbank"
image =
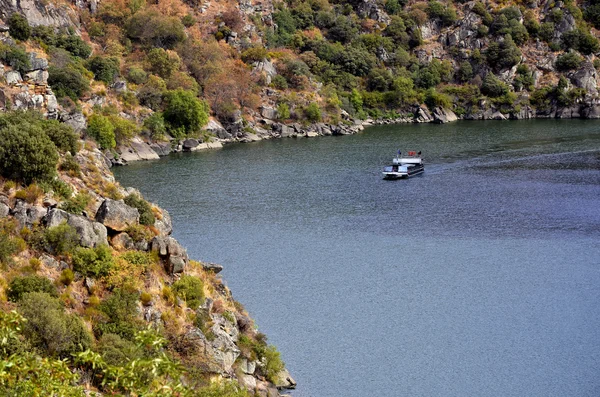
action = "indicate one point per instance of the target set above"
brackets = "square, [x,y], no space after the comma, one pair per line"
[265,127]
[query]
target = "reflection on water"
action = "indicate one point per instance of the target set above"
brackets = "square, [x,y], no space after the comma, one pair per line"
[479,278]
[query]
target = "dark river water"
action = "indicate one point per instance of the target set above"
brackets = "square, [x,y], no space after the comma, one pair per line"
[479,278]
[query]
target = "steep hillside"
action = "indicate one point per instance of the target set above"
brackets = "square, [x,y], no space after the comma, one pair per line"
[90,275]
[190,75]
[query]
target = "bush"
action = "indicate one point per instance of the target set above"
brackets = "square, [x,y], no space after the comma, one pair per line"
[8,248]
[70,165]
[465,72]
[116,350]
[124,129]
[283,111]
[163,63]
[184,112]
[312,112]
[493,86]
[435,99]
[15,56]
[19,27]
[66,277]
[188,20]
[26,152]
[49,328]
[93,262]
[20,286]
[105,69]
[155,126]
[190,289]
[63,135]
[74,44]
[503,55]
[101,129]
[144,208]
[568,61]
[254,54]
[60,240]
[279,82]
[67,82]
[76,205]
[121,310]
[137,75]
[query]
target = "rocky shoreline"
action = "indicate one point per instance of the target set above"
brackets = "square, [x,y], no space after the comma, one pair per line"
[266,128]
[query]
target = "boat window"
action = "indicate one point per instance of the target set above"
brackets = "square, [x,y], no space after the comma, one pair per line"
[387,169]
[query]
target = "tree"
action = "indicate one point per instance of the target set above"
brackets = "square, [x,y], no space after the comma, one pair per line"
[26,153]
[184,113]
[105,69]
[568,61]
[67,82]
[101,129]
[19,27]
[493,86]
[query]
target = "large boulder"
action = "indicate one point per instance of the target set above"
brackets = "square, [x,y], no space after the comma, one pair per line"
[91,234]
[27,215]
[189,144]
[13,77]
[585,78]
[161,148]
[76,120]
[268,113]
[175,256]
[136,150]
[164,225]
[283,380]
[38,12]
[36,63]
[442,115]
[116,215]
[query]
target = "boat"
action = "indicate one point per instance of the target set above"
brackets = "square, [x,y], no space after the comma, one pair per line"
[404,166]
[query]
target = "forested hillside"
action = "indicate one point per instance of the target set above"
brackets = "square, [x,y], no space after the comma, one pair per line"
[225,71]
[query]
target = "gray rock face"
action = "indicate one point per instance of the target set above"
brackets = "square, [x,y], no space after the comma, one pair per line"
[212,267]
[267,68]
[175,256]
[371,9]
[164,225]
[161,148]
[13,77]
[190,144]
[422,116]
[36,63]
[591,112]
[283,380]
[120,86]
[4,210]
[49,261]
[441,115]
[76,120]
[116,215]
[37,77]
[136,150]
[268,113]
[122,241]
[27,215]
[585,78]
[91,234]
[40,13]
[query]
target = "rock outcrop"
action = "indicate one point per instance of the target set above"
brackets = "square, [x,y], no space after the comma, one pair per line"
[116,215]
[91,234]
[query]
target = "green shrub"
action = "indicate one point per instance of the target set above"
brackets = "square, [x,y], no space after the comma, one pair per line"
[70,165]
[15,56]
[101,129]
[124,129]
[93,262]
[283,111]
[163,63]
[155,126]
[254,54]
[74,44]
[66,277]
[105,69]
[121,311]
[312,112]
[63,135]
[49,328]
[67,82]
[26,152]
[568,61]
[503,55]
[19,27]
[138,258]
[435,99]
[190,289]
[76,205]
[61,239]
[279,82]
[493,86]
[20,286]
[137,75]
[116,350]
[274,365]
[188,20]
[184,112]
[143,207]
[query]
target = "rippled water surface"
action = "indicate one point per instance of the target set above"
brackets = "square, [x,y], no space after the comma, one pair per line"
[479,278]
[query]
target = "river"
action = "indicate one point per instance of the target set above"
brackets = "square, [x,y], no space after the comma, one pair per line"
[479,278]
